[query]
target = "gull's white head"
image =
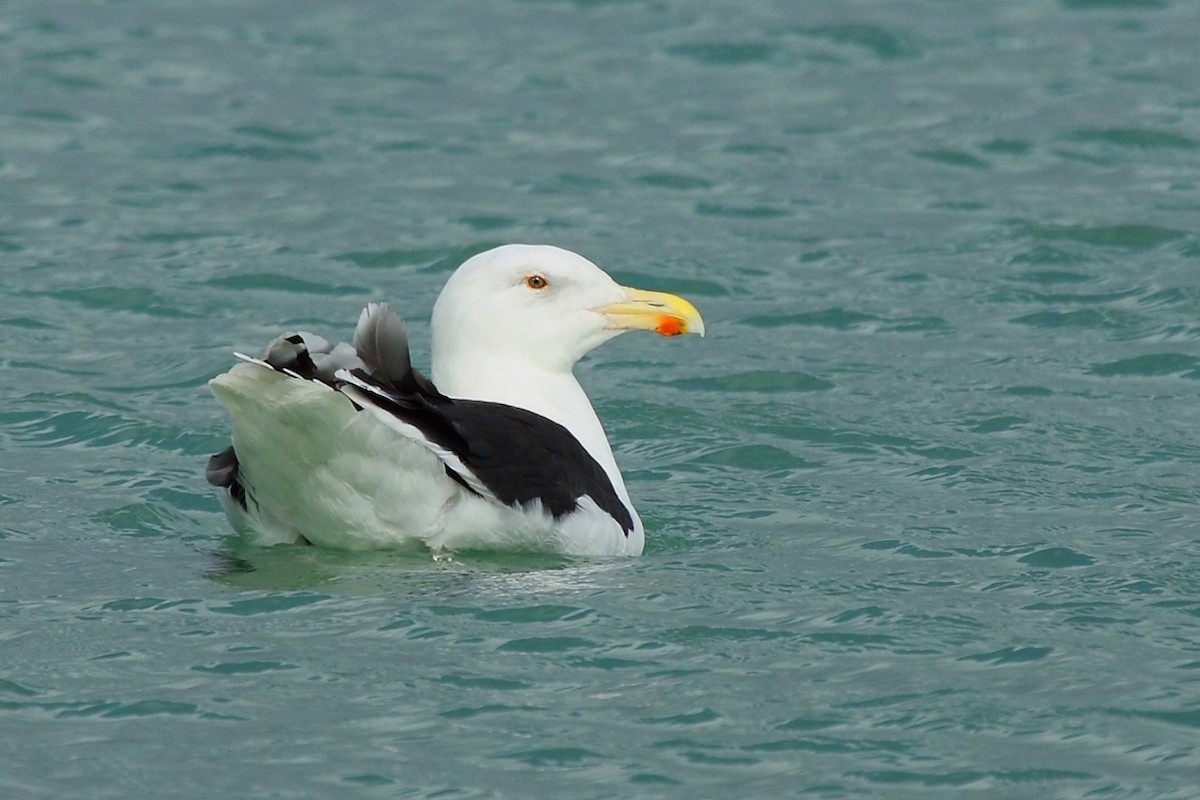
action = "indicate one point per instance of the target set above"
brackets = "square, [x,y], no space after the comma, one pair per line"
[545,306]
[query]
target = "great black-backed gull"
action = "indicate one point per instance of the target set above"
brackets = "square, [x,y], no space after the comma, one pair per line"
[350,447]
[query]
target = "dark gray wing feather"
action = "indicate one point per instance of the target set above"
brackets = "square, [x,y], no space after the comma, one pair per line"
[381,341]
[519,456]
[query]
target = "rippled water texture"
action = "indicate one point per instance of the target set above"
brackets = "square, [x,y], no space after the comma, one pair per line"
[922,507]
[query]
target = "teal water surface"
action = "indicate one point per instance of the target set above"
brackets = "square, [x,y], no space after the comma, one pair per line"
[922,508]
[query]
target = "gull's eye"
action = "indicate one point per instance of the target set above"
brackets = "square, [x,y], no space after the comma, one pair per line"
[536,282]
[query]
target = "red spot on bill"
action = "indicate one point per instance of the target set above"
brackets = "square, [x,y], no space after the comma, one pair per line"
[670,326]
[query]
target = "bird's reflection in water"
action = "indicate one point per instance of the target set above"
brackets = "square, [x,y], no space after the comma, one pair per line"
[246,566]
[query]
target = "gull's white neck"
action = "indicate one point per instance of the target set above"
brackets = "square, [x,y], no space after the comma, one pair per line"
[515,382]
